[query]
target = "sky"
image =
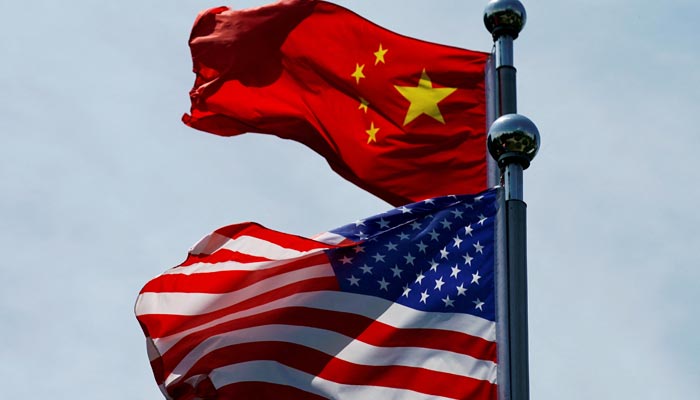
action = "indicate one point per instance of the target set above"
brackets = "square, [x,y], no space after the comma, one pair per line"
[104,188]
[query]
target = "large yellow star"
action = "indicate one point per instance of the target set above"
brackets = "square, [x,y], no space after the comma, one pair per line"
[424,99]
[379,55]
[358,72]
[372,132]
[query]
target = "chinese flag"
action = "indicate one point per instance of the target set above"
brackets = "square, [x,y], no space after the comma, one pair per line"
[401,118]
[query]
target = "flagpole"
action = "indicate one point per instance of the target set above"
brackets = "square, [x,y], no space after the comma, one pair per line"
[513,141]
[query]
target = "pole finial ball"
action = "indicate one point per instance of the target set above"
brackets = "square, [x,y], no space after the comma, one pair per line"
[504,17]
[513,138]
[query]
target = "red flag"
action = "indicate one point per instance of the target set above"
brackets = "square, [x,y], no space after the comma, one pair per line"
[395,306]
[401,118]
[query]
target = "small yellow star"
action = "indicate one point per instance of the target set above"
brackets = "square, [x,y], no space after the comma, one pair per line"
[372,132]
[358,73]
[363,105]
[424,99]
[379,54]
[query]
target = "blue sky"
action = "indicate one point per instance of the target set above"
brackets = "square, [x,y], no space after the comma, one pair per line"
[103,187]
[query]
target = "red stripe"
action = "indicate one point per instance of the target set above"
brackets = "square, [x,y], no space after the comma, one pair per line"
[351,325]
[221,256]
[158,368]
[286,240]
[225,281]
[212,251]
[161,325]
[263,391]
[319,364]
[204,389]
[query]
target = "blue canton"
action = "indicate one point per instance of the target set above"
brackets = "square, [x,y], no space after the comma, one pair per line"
[435,255]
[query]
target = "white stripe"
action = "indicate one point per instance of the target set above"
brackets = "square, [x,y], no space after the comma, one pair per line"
[272,372]
[262,248]
[384,311]
[204,267]
[202,303]
[344,348]
[151,349]
[247,245]
[329,238]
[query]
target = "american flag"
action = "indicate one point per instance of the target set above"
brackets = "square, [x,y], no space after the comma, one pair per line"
[396,306]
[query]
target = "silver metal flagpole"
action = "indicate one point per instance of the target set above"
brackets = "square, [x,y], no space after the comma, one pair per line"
[513,142]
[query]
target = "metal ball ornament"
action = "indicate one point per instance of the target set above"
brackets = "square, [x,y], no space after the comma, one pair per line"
[513,138]
[504,17]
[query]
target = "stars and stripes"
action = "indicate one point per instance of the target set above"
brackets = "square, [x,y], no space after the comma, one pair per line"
[395,306]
